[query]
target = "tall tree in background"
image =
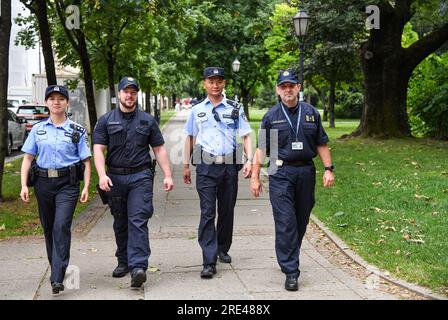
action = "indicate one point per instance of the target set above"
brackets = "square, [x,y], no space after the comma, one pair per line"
[387,66]
[5,33]
[39,9]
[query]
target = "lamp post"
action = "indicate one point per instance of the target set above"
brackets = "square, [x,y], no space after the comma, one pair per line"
[236,68]
[301,23]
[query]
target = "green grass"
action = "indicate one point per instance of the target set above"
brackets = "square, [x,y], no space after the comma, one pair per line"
[22,219]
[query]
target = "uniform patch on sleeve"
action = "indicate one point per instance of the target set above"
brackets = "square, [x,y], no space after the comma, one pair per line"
[243,115]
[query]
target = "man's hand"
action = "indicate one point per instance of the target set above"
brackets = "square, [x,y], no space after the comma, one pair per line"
[256,187]
[168,183]
[247,170]
[105,183]
[187,175]
[25,194]
[328,179]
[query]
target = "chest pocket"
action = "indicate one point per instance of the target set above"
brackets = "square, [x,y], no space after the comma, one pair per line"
[230,123]
[42,138]
[202,123]
[310,129]
[142,136]
[116,134]
[284,133]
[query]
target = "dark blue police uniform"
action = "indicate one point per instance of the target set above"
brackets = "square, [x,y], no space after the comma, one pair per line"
[60,150]
[291,187]
[128,137]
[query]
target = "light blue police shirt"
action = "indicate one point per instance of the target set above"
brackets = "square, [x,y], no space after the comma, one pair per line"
[216,137]
[53,145]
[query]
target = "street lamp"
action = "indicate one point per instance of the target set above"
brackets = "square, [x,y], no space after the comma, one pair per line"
[236,68]
[301,23]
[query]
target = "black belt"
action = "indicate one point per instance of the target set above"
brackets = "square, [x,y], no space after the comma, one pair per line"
[297,163]
[52,173]
[212,159]
[123,171]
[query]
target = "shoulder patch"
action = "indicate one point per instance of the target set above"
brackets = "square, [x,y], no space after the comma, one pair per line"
[233,103]
[77,127]
[201,114]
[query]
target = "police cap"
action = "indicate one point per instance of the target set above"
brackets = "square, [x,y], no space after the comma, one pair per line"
[289,75]
[126,82]
[214,72]
[56,88]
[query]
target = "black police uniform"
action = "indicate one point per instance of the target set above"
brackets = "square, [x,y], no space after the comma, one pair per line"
[128,137]
[291,188]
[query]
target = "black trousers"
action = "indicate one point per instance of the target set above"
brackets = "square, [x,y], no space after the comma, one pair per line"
[56,199]
[216,184]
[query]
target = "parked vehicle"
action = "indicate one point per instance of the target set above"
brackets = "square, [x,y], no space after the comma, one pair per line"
[16,132]
[33,114]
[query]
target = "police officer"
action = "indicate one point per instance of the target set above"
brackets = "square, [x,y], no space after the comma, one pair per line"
[291,184]
[211,128]
[127,133]
[63,154]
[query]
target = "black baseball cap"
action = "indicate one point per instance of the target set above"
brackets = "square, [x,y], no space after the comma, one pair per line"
[126,82]
[289,75]
[56,88]
[214,72]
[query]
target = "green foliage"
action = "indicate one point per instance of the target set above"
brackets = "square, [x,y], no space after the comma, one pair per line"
[428,97]
[349,105]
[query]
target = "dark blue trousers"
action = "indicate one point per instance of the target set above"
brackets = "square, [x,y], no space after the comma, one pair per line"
[217,184]
[56,199]
[131,206]
[291,192]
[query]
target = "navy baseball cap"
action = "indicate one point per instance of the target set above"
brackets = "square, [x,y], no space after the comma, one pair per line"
[287,76]
[56,88]
[214,72]
[126,82]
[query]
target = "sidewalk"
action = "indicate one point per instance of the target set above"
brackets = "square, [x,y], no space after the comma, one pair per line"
[176,259]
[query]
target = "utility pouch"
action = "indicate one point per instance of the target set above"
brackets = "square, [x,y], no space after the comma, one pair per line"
[32,174]
[103,195]
[118,206]
[73,175]
[80,168]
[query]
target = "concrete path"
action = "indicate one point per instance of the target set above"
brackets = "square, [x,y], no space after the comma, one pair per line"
[176,259]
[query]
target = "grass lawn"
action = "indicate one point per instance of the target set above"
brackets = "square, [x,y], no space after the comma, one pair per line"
[18,218]
[389,202]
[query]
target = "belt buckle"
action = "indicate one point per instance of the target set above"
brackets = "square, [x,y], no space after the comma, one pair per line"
[219,160]
[279,162]
[53,173]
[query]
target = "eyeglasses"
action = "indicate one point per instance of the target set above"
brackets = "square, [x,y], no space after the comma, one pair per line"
[216,115]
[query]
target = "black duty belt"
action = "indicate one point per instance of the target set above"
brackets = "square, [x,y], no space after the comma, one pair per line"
[52,173]
[208,158]
[123,171]
[297,163]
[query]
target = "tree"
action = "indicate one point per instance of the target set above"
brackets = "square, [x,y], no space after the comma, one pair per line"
[5,33]
[387,66]
[39,9]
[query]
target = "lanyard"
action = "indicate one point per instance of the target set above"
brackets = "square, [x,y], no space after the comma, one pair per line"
[290,123]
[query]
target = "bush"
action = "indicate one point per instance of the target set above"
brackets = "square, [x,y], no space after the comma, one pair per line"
[266,99]
[349,105]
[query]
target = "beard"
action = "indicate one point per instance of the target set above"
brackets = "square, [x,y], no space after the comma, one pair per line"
[128,104]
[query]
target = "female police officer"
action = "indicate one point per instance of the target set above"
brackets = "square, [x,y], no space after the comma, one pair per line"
[63,160]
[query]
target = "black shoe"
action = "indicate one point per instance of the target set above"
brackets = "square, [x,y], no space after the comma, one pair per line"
[291,282]
[56,287]
[120,271]
[224,257]
[208,271]
[138,277]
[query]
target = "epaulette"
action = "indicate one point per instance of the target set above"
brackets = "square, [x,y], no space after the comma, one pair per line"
[233,103]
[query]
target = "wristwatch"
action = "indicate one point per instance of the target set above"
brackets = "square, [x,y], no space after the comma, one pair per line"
[331,168]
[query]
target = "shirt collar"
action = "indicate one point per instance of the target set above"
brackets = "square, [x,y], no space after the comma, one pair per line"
[222,103]
[65,125]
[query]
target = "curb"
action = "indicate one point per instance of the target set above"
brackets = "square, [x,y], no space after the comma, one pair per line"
[427,293]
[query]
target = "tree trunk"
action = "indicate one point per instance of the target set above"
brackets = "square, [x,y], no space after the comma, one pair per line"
[111,78]
[245,101]
[45,37]
[331,104]
[148,101]
[5,33]
[387,68]
[88,79]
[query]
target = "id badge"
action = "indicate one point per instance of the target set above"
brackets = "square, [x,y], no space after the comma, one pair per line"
[297,146]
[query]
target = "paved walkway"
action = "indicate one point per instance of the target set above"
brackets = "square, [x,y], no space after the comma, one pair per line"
[176,259]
